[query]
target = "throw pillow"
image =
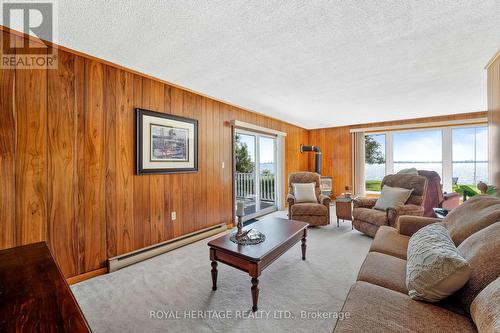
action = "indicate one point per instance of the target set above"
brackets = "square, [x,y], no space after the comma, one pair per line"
[482,252]
[409,171]
[392,197]
[434,269]
[473,215]
[485,310]
[304,192]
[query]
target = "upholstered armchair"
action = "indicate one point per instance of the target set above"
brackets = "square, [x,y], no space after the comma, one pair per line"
[315,214]
[367,219]
[435,197]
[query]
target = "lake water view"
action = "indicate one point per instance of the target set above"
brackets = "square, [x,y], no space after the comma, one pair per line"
[267,166]
[463,170]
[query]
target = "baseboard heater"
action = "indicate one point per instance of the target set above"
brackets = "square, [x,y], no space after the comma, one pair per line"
[133,257]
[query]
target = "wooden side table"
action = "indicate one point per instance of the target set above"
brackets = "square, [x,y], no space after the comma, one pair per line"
[343,209]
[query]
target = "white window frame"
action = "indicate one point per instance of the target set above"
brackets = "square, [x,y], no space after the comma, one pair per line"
[488,145]
[447,158]
[447,149]
[279,158]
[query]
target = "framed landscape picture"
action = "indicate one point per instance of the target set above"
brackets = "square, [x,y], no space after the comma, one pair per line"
[165,143]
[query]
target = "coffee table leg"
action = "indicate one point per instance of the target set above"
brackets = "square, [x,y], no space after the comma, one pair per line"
[304,245]
[255,293]
[214,275]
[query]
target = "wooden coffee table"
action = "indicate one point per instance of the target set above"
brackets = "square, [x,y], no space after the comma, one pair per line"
[281,235]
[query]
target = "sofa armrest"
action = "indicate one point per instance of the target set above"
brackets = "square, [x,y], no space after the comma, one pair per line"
[408,225]
[290,199]
[393,213]
[324,200]
[364,202]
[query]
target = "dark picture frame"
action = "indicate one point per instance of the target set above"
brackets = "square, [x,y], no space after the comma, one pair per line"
[168,143]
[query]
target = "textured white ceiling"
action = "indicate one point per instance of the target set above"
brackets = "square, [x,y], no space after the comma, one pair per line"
[311,63]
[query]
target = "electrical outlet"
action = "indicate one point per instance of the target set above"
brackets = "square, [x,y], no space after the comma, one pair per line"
[173,216]
[223,165]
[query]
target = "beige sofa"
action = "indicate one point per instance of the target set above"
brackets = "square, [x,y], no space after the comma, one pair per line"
[379,301]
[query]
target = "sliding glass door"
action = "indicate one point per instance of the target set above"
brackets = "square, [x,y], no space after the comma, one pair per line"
[255,172]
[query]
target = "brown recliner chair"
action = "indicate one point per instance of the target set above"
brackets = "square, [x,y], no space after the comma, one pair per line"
[435,197]
[315,214]
[367,219]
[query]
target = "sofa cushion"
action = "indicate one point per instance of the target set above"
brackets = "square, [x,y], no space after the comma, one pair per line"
[372,216]
[313,209]
[376,309]
[385,271]
[392,197]
[482,251]
[408,225]
[415,182]
[435,269]
[389,241]
[485,310]
[473,215]
[305,192]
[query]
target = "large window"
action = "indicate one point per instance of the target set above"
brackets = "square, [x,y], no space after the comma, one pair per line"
[470,155]
[421,150]
[459,155]
[374,161]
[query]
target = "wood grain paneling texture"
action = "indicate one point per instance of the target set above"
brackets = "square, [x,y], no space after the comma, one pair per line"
[436,119]
[31,155]
[7,158]
[335,144]
[493,70]
[67,161]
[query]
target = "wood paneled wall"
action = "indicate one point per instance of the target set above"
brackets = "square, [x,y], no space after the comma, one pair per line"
[67,161]
[336,146]
[493,70]
[336,150]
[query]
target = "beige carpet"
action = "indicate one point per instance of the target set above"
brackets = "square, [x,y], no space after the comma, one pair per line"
[179,284]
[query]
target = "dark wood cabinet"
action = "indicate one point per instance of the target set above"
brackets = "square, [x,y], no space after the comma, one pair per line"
[34,296]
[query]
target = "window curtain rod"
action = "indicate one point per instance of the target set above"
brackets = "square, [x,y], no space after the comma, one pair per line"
[447,123]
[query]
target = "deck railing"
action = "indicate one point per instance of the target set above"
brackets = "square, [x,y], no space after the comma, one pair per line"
[245,186]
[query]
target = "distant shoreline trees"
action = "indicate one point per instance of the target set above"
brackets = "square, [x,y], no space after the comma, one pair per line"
[244,163]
